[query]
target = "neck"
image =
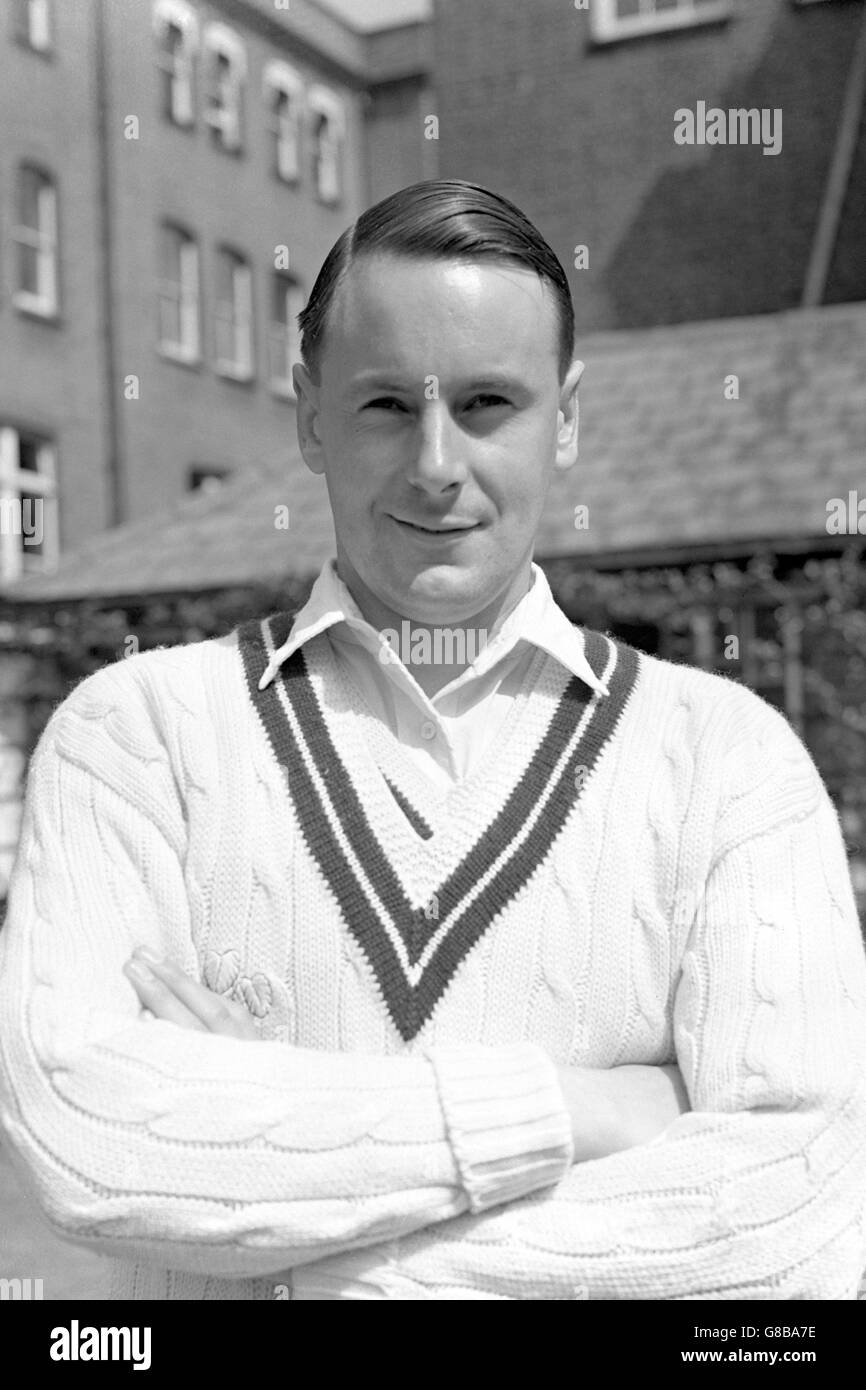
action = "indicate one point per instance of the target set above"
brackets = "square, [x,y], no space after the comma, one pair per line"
[437,653]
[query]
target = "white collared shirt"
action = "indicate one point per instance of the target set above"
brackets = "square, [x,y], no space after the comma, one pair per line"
[449,733]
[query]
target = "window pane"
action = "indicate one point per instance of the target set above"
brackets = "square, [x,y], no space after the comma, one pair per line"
[28,269]
[169,260]
[30,185]
[33,22]
[233,312]
[32,524]
[174,40]
[28,528]
[225,276]
[286,133]
[206,479]
[279,300]
[287,301]
[224,99]
[169,318]
[39,23]
[326,160]
[178,291]
[176,76]
[28,453]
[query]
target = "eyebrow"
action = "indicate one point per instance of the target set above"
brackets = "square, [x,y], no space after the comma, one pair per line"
[381,382]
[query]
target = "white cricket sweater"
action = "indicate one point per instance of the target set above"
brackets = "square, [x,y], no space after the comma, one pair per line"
[653,876]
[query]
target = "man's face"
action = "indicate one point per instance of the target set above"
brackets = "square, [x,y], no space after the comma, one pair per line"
[437,421]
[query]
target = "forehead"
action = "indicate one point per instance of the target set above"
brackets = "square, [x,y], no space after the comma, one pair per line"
[441,316]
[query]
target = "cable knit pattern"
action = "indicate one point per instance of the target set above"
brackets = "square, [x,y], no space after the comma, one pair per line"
[695,905]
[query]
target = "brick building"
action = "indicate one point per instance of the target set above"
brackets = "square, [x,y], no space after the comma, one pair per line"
[569,109]
[170,173]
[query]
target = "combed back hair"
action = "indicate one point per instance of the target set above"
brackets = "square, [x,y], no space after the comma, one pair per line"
[440,219]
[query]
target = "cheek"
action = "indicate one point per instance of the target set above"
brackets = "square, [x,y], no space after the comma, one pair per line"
[517,484]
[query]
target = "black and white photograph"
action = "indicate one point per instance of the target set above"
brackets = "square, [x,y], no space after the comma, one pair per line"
[433,664]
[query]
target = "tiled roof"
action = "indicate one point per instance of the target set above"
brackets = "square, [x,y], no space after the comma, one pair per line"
[208,540]
[665,461]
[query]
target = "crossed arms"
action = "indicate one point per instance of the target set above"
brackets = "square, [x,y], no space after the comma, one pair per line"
[197,1151]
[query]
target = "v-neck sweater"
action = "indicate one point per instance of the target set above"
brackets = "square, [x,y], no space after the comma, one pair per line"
[656,875]
[445,732]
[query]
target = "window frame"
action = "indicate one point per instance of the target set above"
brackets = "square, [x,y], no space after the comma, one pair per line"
[23,21]
[284,338]
[280,79]
[16,481]
[186,350]
[44,240]
[225,119]
[322,102]
[177,14]
[207,474]
[237,367]
[608,26]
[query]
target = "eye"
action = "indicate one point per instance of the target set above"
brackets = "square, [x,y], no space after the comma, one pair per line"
[489,400]
[384,403]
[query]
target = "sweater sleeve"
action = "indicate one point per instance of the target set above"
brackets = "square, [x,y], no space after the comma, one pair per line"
[191,1150]
[760,1191]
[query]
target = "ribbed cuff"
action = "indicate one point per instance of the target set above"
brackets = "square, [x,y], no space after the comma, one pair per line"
[507,1121]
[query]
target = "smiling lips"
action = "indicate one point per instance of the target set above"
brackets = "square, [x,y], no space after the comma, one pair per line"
[448,530]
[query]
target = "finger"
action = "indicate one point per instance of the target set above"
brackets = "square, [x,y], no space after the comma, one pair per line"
[155,995]
[216,1013]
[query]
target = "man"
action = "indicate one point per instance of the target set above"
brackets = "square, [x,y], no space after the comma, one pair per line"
[534,974]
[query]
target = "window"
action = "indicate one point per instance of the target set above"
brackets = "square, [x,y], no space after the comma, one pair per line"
[233,316]
[33,26]
[283,94]
[176,29]
[36,234]
[622,19]
[178,295]
[328,130]
[287,301]
[204,479]
[225,70]
[28,505]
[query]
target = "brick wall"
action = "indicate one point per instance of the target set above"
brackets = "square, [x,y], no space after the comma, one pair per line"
[54,377]
[581,137]
[51,372]
[192,415]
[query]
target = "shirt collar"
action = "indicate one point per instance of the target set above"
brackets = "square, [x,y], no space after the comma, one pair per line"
[537,619]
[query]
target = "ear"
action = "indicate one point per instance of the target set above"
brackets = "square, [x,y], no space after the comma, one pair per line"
[308,396]
[568,418]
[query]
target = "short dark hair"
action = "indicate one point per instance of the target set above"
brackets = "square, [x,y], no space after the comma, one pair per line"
[442,219]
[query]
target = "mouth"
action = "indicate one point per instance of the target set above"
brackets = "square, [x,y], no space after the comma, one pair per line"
[440,531]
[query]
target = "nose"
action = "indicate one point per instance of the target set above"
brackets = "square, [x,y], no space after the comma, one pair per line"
[439,460]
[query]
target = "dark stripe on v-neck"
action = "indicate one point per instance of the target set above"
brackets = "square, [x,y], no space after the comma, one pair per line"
[410,1006]
[415,819]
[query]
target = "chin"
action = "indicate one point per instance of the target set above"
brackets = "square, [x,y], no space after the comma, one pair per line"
[443,593]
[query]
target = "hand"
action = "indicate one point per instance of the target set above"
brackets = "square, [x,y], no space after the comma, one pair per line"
[174,997]
[620,1107]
